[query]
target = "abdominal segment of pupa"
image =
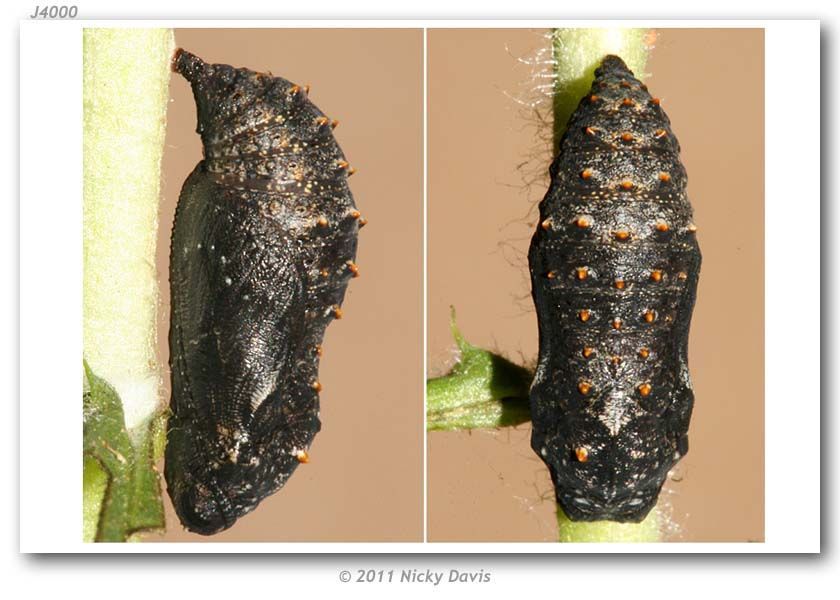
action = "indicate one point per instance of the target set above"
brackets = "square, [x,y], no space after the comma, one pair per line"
[614,268]
[263,247]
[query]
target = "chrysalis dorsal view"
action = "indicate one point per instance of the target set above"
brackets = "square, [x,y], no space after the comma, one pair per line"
[614,266]
[263,247]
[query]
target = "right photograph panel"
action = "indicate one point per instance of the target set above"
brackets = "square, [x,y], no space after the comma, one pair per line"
[595,285]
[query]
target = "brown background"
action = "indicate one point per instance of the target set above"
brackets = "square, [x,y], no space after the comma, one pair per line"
[365,478]
[484,151]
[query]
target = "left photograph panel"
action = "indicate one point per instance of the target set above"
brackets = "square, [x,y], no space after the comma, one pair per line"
[253,276]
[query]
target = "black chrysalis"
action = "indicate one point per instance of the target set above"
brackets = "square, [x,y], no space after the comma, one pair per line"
[614,266]
[262,250]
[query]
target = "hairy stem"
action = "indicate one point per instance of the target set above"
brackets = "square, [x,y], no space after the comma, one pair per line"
[578,52]
[125,91]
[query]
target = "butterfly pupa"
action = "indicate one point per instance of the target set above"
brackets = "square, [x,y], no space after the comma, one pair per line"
[612,397]
[262,250]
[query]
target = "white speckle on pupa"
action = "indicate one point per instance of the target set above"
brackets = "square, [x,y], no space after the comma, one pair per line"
[263,391]
[228,281]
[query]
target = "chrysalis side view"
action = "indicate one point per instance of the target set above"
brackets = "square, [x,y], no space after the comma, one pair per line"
[263,247]
[614,267]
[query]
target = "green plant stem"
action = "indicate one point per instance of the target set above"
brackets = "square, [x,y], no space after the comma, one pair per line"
[125,93]
[577,53]
[608,531]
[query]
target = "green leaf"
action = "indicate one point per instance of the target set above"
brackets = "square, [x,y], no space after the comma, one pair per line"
[94,484]
[121,487]
[483,390]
